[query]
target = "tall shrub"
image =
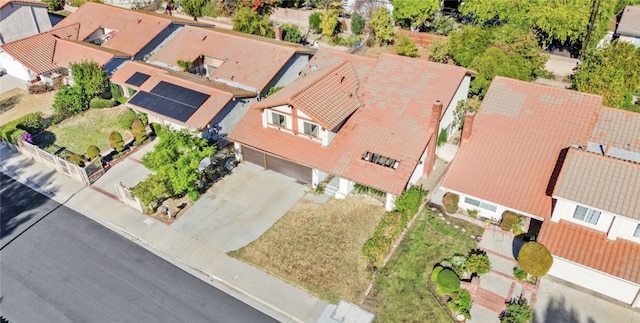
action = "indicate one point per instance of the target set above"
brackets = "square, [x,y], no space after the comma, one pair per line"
[93,152]
[450,202]
[116,142]
[410,200]
[406,46]
[357,24]
[314,22]
[478,262]
[509,220]
[139,131]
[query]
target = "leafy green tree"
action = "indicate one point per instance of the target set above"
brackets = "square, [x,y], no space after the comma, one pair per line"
[54,5]
[518,311]
[405,46]
[329,22]
[67,102]
[613,72]
[468,43]
[357,24]
[439,51]
[176,158]
[314,22]
[250,22]
[116,142]
[411,13]
[291,33]
[382,26]
[89,77]
[194,8]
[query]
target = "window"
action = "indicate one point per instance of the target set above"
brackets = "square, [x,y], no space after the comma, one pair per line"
[311,129]
[278,119]
[586,214]
[486,206]
[636,233]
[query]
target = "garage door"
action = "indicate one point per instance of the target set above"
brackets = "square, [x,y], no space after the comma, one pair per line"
[291,169]
[253,156]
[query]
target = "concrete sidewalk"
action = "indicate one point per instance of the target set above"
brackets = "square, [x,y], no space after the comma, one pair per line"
[255,287]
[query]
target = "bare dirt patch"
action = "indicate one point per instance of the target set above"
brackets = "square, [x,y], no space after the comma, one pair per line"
[17,103]
[318,247]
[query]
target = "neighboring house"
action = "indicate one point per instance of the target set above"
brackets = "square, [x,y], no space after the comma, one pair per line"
[372,122]
[558,156]
[47,56]
[628,30]
[182,100]
[22,18]
[240,60]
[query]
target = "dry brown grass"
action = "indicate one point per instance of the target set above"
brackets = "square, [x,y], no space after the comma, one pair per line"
[318,247]
[377,50]
[17,103]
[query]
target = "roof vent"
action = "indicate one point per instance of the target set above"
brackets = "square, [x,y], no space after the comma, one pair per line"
[139,20]
[203,36]
[314,68]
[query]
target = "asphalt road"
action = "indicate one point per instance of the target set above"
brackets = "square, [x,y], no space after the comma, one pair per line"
[58,266]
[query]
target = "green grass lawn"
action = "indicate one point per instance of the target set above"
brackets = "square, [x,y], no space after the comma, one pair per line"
[400,292]
[89,128]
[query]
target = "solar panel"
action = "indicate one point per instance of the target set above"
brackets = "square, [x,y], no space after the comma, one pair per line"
[137,79]
[180,94]
[163,106]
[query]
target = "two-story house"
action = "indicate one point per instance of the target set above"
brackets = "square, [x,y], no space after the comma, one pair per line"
[559,156]
[372,122]
[22,18]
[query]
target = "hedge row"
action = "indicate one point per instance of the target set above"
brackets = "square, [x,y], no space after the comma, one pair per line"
[31,123]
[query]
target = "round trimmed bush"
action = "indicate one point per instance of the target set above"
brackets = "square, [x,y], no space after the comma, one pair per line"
[436,271]
[93,152]
[535,259]
[448,281]
[450,202]
[509,220]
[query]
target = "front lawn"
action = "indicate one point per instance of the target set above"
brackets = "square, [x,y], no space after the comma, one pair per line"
[400,292]
[319,247]
[89,128]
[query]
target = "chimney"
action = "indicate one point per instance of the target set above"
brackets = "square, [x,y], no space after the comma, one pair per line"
[468,126]
[278,31]
[430,160]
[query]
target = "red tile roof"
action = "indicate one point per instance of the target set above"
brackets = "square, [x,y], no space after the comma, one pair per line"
[71,51]
[4,3]
[201,118]
[37,52]
[133,29]
[309,95]
[620,258]
[248,61]
[606,183]
[516,139]
[397,95]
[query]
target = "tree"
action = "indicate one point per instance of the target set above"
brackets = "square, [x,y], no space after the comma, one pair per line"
[54,5]
[329,22]
[406,46]
[291,33]
[67,102]
[411,13]
[194,8]
[357,24]
[439,51]
[116,142]
[612,72]
[518,311]
[261,7]
[176,158]
[535,259]
[139,131]
[382,27]
[89,77]
[248,21]
[314,22]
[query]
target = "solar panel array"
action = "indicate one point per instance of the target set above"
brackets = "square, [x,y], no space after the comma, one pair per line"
[170,100]
[137,79]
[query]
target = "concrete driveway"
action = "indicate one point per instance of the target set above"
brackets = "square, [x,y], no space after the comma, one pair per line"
[559,302]
[240,208]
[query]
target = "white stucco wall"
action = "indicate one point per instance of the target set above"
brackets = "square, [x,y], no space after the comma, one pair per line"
[418,171]
[15,68]
[18,21]
[600,282]
[284,110]
[317,176]
[624,228]
[345,187]
[497,215]
[448,116]
[564,210]
[390,202]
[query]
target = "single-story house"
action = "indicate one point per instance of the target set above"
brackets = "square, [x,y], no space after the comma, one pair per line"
[22,18]
[371,122]
[559,156]
[182,100]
